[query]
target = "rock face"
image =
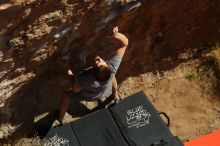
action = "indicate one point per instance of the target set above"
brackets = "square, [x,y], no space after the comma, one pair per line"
[36,34]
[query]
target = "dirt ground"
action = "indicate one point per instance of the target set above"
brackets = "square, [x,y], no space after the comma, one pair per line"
[191,103]
[167,41]
[188,94]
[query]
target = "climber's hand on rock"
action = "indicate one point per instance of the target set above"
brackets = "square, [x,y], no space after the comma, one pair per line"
[115,30]
[69,72]
[119,36]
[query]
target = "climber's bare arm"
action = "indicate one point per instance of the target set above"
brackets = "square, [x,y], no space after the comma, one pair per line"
[123,39]
[75,87]
[114,88]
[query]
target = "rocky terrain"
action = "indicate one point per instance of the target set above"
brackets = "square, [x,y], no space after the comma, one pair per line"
[166,57]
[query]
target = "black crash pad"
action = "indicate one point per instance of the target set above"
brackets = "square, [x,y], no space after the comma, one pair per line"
[98,129]
[139,121]
[132,122]
[62,136]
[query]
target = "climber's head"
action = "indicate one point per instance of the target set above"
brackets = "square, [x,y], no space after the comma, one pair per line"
[102,71]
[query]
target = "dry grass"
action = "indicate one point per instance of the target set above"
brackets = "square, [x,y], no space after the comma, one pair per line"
[35,141]
[215,54]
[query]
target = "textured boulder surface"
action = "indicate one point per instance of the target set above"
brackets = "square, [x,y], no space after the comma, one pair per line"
[36,34]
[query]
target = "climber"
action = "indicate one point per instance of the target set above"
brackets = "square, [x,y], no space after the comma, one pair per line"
[96,81]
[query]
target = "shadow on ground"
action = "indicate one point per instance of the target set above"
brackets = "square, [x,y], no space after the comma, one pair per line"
[41,96]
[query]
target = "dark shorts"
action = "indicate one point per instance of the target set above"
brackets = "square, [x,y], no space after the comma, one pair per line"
[79,97]
[71,94]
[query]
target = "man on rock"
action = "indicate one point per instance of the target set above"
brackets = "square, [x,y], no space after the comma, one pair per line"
[96,81]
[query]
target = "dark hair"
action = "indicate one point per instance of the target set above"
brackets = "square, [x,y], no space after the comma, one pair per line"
[102,73]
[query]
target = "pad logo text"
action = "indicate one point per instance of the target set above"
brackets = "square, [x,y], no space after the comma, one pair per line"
[56,141]
[137,117]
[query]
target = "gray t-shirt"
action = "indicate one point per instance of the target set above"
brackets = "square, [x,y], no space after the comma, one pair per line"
[91,88]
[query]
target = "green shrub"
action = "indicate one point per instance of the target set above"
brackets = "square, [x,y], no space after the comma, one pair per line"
[191,76]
